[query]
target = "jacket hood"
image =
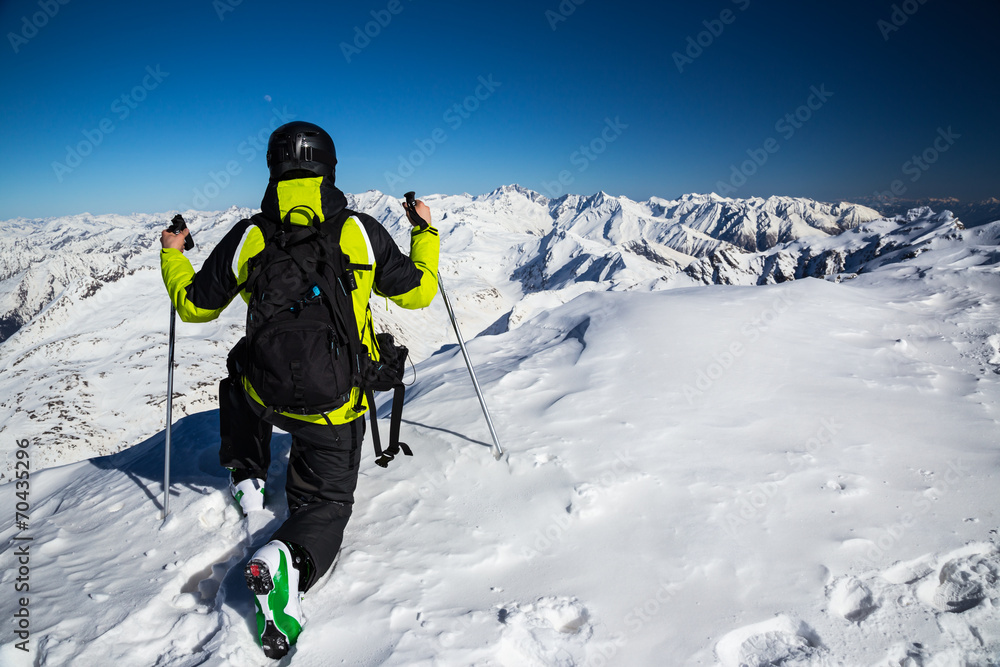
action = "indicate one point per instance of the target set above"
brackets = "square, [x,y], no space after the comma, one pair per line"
[297,199]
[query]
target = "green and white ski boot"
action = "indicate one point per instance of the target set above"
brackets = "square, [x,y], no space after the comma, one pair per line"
[248,494]
[274,582]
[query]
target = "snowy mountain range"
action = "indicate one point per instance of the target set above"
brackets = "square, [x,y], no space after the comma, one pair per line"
[713,457]
[971,213]
[44,260]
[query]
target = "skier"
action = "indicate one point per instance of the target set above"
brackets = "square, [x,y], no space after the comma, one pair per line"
[326,447]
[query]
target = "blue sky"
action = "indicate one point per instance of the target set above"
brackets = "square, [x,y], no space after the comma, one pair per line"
[119,107]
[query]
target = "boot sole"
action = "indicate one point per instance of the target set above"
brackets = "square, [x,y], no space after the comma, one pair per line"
[258,578]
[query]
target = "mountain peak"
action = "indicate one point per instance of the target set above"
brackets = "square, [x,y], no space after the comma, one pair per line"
[517,190]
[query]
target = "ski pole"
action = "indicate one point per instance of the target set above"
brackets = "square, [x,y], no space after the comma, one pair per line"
[497,450]
[411,213]
[177,226]
[170,421]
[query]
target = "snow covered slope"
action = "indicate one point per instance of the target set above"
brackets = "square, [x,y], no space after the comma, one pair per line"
[40,260]
[796,474]
[800,473]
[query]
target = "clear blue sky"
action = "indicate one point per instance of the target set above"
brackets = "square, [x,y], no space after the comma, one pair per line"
[119,107]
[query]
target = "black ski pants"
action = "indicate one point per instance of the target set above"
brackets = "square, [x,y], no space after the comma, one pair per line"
[322,470]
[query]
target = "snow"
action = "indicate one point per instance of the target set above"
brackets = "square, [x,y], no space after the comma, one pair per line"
[800,473]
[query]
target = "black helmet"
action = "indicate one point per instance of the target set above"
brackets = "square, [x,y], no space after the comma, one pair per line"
[300,146]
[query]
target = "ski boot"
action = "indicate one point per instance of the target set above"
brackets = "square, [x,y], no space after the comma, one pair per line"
[274,582]
[248,492]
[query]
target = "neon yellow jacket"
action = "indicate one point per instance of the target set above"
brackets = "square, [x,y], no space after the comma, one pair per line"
[410,282]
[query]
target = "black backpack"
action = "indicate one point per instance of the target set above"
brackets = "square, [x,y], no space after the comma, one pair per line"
[303,352]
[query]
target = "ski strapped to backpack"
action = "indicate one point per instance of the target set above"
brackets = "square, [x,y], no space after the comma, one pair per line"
[304,350]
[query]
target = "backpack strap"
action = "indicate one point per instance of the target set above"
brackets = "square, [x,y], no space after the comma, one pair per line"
[394,423]
[385,374]
[382,458]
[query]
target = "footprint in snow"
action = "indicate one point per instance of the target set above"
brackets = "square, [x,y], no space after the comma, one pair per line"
[963,582]
[909,572]
[548,632]
[778,641]
[545,459]
[212,518]
[602,496]
[851,599]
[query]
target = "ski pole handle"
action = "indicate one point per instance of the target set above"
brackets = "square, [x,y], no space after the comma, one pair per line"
[410,206]
[177,225]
